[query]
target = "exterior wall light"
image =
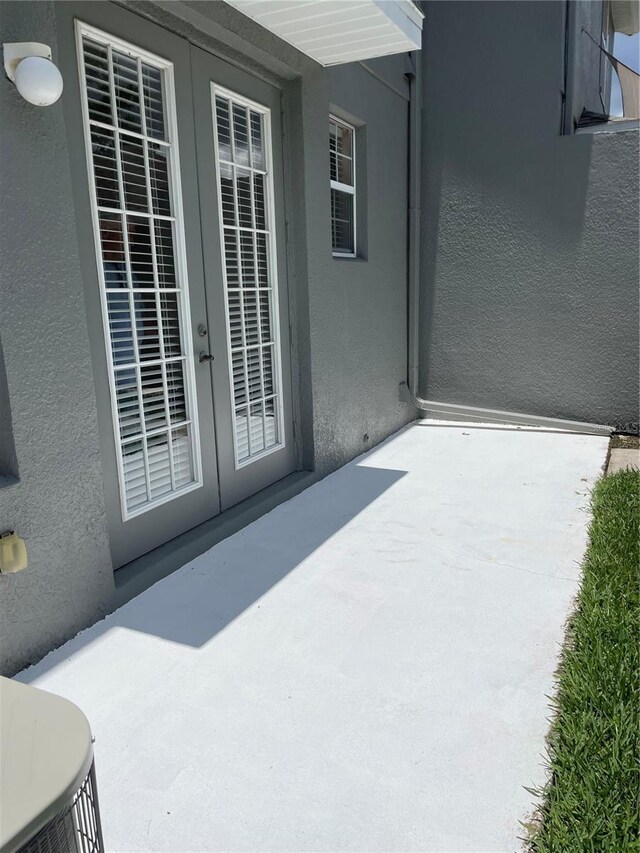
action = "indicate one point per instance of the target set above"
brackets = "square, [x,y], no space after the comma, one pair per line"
[28,65]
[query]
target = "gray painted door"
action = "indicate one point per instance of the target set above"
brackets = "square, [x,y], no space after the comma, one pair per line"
[180,233]
[239,150]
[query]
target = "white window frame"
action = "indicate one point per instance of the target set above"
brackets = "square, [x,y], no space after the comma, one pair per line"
[180,260]
[347,188]
[265,112]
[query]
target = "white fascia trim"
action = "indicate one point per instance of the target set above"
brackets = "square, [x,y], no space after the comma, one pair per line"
[406,16]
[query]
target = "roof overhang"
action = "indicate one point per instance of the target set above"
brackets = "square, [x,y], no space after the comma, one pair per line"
[626,16]
[337,31]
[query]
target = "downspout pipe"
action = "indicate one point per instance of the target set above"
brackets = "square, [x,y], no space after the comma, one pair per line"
[414,76]
[409,390]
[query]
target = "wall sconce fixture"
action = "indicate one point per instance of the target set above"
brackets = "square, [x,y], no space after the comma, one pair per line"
[28,65]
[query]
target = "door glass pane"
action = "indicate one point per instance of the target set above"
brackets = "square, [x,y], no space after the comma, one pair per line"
[245,186]
[341,221]
[129,129]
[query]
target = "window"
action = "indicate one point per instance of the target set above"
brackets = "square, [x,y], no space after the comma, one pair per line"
[342,167]
[626,49]
[131,141]
[245,193]
[601,78]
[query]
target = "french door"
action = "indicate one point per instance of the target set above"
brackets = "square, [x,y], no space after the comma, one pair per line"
[238,141]
[178,195]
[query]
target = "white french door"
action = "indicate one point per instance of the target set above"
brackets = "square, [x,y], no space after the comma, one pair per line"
[238,140]
[134,176]
[185,280]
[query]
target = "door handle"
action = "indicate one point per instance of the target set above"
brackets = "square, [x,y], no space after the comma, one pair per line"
[205,356]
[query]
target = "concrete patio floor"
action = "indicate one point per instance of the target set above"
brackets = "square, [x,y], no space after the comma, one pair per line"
[365,668]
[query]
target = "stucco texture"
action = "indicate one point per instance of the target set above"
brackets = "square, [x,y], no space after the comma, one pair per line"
[57,505]
[529,290]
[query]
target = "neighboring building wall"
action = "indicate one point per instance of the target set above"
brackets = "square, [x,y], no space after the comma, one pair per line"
[348,318]
[529,262]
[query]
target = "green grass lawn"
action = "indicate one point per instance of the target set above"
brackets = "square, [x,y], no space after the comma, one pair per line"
[591,800]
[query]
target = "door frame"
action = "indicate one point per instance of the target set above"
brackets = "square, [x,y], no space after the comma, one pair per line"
[144,531]
[153,35]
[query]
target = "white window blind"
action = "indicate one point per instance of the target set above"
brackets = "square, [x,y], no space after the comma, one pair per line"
[131,139]
[342,171]
[245,198]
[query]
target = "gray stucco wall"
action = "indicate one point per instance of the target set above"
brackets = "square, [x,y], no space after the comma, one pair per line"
[348,317]
[57,505]
[358,307]
[529,257]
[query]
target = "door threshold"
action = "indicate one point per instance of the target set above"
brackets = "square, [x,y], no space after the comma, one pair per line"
[140,574]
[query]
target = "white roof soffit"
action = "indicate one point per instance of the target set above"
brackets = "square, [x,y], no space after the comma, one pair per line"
[337,31]
[626,16]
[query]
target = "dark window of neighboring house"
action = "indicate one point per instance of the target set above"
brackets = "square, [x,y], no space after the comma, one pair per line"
[342,171]
[597,97]
[627,50]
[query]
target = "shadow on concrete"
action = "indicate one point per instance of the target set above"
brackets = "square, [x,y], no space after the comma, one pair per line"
[198,601]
